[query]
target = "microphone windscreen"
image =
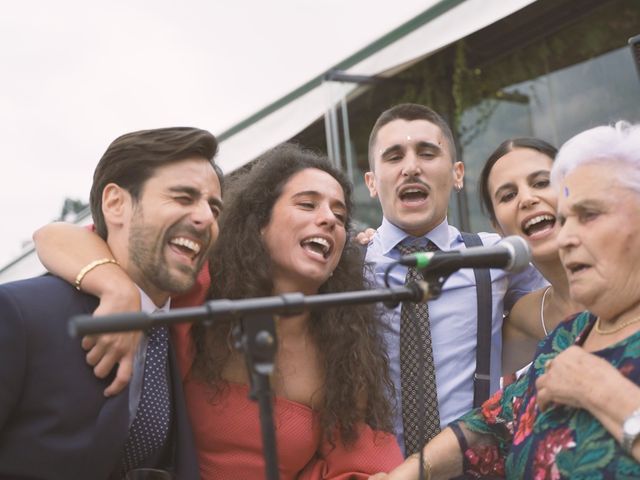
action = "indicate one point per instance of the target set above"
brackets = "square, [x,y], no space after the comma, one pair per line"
[520,252]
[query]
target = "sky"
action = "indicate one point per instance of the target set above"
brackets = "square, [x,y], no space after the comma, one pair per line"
[77,74]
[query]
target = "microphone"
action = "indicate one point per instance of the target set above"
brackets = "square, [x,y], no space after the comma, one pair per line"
[511,254]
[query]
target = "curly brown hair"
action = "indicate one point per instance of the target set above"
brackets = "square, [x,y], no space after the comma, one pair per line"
[357,386]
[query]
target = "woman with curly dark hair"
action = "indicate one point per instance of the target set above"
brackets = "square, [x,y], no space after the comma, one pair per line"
[284,229]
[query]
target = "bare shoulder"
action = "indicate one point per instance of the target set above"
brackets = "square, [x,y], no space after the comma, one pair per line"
[525,314]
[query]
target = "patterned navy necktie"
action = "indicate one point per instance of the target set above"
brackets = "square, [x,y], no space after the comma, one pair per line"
[150,427]
[415,329]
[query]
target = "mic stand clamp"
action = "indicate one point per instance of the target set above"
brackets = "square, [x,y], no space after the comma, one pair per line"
[255,337]
[435,280]
[422,290]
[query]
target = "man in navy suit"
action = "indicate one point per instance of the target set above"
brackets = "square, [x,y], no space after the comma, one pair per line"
[155,199]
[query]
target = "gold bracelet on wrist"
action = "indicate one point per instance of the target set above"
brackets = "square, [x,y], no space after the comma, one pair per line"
[427,468]
[90,266]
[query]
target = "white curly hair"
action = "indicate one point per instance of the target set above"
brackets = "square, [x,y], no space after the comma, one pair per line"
[617,145]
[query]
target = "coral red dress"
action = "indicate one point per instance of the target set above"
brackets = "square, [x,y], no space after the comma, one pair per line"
[229,442]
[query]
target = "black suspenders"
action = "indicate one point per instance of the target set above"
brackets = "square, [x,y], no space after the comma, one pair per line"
[482,377]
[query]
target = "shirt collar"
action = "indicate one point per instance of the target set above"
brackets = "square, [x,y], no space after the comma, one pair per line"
[147,305]
[391,235]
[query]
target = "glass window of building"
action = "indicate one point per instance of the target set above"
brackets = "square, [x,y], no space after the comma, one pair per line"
[550,71]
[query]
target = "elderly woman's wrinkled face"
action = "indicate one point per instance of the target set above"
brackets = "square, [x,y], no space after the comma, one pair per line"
[306,234]
[600,238]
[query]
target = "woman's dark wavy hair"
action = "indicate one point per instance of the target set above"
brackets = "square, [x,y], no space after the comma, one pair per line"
[504,148]
[357,384]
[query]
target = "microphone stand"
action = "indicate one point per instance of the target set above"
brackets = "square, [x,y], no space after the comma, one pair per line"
[255,337]
[255,333]
[286,304]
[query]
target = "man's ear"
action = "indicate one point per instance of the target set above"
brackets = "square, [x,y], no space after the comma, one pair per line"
[370,180]
[458,173]
[116,204]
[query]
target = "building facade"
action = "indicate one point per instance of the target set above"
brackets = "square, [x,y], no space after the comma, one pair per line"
[494,69]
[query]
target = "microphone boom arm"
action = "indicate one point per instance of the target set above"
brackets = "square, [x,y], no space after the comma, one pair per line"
[287,304]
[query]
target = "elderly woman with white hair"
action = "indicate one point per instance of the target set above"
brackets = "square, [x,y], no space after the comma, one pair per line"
[576,413]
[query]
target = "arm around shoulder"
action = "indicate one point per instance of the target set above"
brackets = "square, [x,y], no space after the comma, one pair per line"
[65,250]
[82,258]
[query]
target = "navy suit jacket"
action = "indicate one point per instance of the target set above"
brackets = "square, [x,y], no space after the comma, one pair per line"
[55,422]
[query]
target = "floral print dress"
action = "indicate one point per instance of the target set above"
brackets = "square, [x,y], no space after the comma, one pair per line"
[562,442]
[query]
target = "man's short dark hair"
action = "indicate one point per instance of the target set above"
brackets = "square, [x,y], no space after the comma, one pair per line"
[410,112]
[133,158]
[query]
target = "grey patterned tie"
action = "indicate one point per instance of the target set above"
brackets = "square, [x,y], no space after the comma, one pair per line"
[150,427]
[415,328]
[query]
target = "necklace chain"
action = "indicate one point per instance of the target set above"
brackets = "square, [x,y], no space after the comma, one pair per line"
[615,329]
[544,296]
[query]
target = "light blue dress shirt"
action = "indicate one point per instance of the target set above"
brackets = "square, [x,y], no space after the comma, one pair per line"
[453,317]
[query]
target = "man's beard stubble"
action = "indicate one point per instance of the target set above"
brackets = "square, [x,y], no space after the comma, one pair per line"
[146,251]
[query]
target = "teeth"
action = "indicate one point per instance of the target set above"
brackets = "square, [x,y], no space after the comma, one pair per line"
[538,219]
[185,242]
[412,190]
[320,241]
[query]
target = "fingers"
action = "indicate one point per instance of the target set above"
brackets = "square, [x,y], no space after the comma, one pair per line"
[123,376]
[109,350]
[95,354]
[543,397]
[106,363]
[104,352]
[363,238]
[88,342]
[543,404]
[379,476]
